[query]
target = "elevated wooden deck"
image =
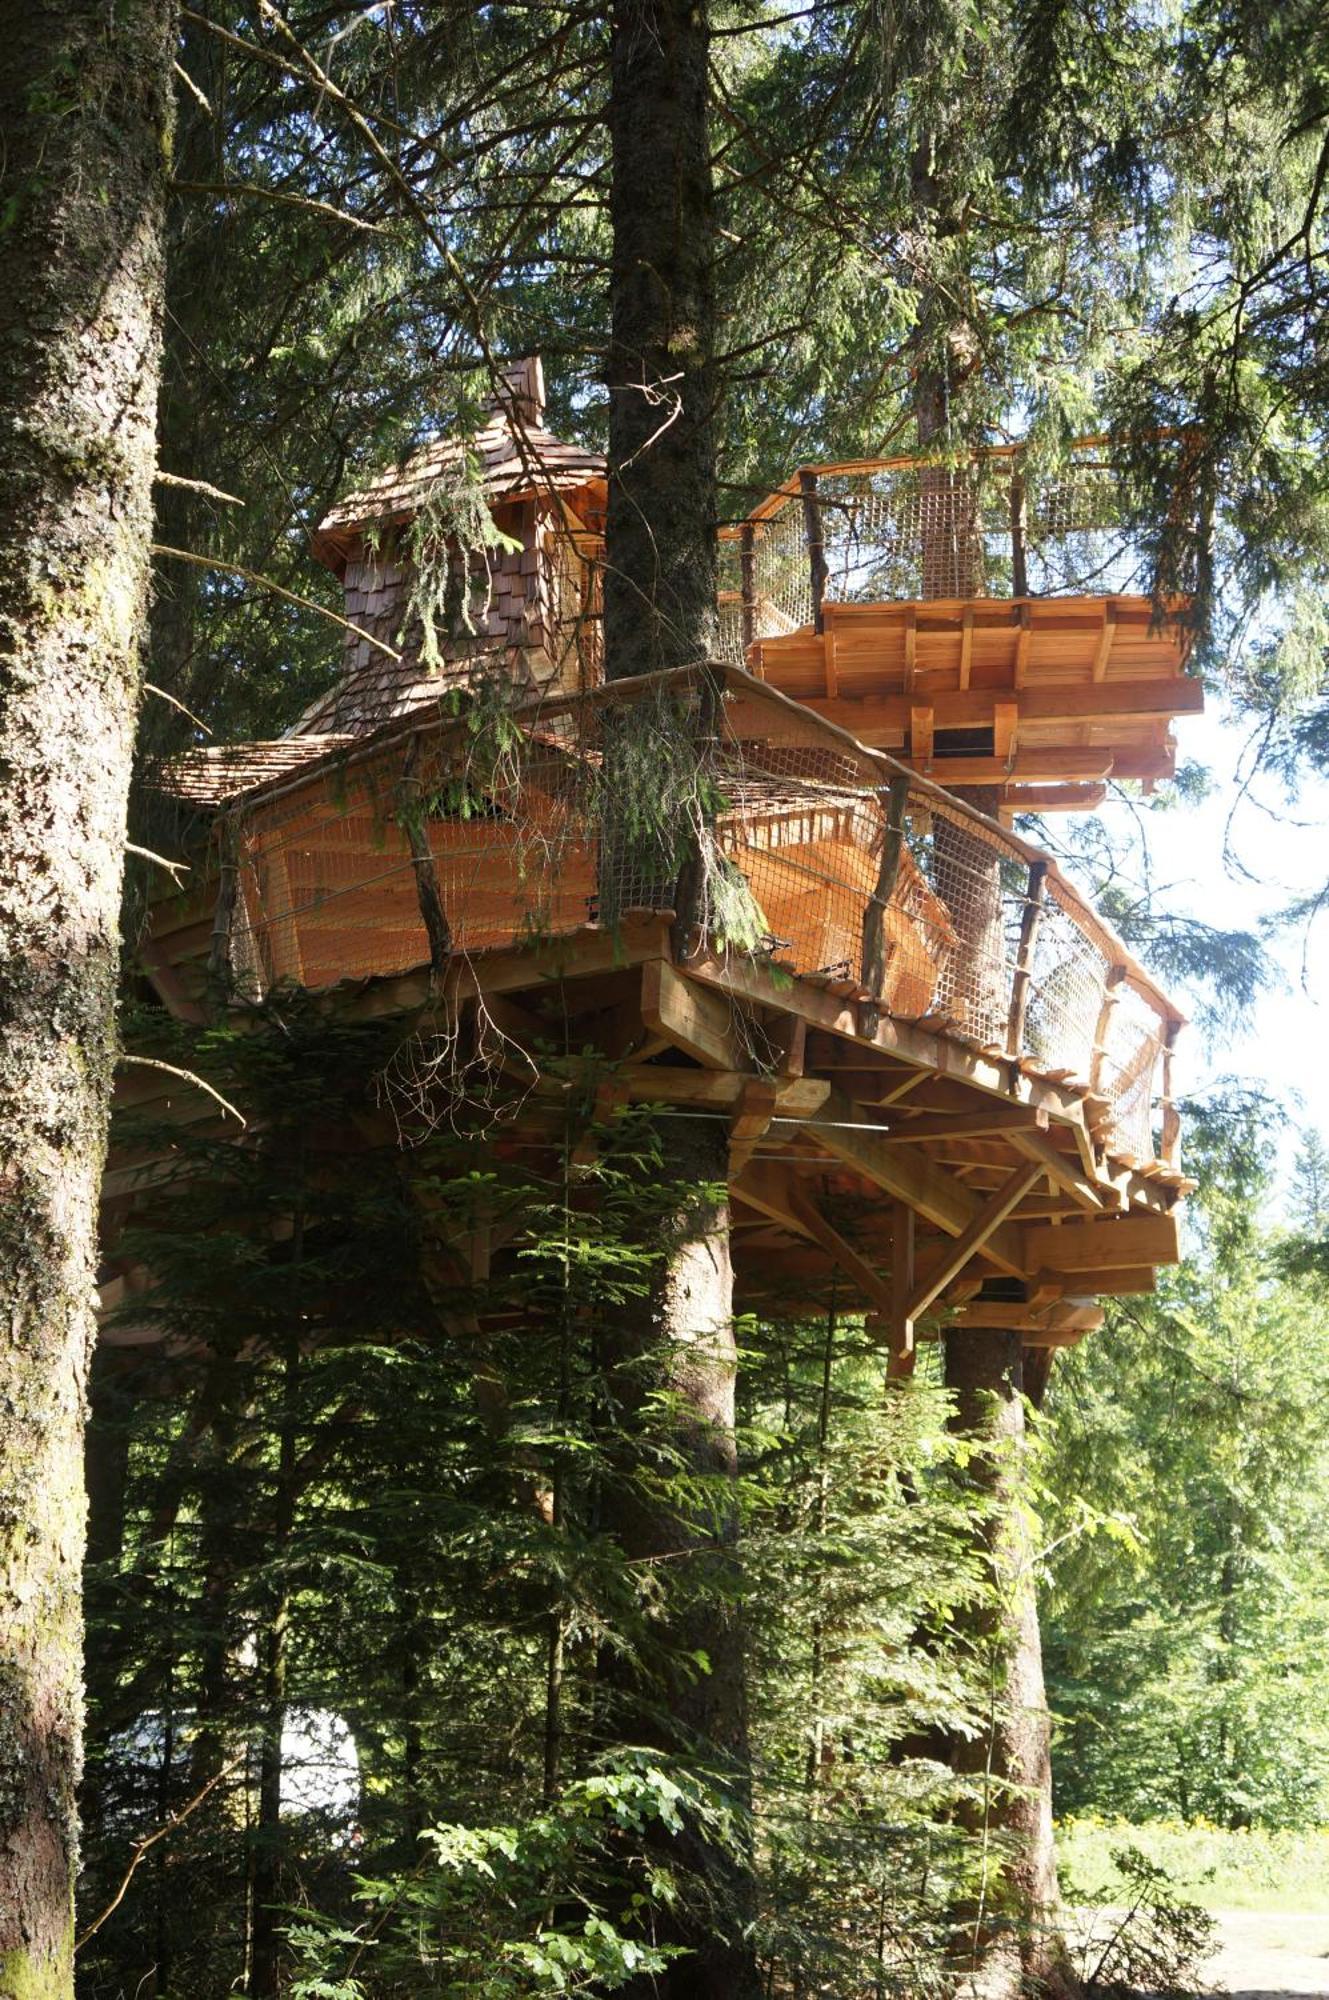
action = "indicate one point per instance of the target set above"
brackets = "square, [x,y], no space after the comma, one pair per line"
[987,623]
[945,1078]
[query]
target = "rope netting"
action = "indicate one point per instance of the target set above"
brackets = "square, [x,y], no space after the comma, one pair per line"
[810,854]
[907,532]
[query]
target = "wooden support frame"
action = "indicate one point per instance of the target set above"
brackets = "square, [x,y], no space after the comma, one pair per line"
[1061,1169]
[1103,650]
[1108,1244]
[989,1218]
[1020,672]
[1031,918]
[900,1362]
[980,1123]
[909,1176]
[764,1187]
[752,1121]
[703,1025]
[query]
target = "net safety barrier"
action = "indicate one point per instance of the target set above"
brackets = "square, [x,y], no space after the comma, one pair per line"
[904,531]
[819,857]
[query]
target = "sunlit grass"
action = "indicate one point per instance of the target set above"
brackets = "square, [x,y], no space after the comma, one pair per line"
[1222,1870]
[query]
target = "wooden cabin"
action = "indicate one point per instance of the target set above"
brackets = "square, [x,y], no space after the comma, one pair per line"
[947,1079]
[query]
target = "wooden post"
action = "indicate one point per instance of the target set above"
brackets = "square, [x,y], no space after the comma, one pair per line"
[748,586]
[900,1361]
[814,535]
[1171,1138]
[874,916]
[1019,535]
[1116,974]
[1030,919]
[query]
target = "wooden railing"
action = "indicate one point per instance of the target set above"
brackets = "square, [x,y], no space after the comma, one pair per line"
[1000,524]
[823,858]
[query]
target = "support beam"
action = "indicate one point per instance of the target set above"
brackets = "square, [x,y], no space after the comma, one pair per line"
[703,1025]
[901,1332]
[1061,1169]
[1112,1244]
[989,1218]
[1131,1281]
[648,1083]
[1103,650]
[752,1121]
[772,1192]
[841,1130]
[980,1123]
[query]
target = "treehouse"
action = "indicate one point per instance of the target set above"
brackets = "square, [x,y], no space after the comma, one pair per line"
[946,1079]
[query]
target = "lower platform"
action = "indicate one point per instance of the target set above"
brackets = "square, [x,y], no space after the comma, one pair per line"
[939,1184]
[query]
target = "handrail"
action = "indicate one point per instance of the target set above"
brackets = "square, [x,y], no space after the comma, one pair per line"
[914,461]
[997,521]
[848,864]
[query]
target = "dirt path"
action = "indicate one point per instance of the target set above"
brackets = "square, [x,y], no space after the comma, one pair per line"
[1264,1954]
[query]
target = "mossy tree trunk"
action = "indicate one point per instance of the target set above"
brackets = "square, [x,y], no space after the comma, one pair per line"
[673,1371]
[85,107]
[1013,1936]
[659,588]
[660,612]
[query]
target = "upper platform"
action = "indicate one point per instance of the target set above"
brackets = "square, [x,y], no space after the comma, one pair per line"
[987,622]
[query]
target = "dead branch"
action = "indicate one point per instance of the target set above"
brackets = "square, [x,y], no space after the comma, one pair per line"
[275,194]
[278,590]
[160,478]
[150,687]
[175,869]
[150,1840]
[190,85]
[186,1076]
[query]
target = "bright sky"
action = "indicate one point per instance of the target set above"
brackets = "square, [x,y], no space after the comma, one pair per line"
[1277,850]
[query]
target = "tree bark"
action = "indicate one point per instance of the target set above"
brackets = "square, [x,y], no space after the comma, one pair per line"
[659,592]
[689,1698]
[267,1920]
[85,106]
[660,612]
[1014,1935]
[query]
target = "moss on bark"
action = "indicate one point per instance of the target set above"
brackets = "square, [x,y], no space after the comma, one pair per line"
[85,104]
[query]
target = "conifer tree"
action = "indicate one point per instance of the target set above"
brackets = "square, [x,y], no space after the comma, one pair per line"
[85,106]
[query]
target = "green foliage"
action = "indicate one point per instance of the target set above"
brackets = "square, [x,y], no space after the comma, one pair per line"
[1158,1942]
[1222,1868]
[503,1912]
[1188,1668]
[336,1443]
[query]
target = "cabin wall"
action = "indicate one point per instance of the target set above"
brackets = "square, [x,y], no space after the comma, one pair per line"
[536,606]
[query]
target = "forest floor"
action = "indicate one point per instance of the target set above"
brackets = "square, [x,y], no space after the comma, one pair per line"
[1264,1953]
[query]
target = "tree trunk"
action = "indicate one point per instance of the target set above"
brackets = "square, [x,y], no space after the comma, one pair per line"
[659,591]
[267,1920]
[680,1341]
[85,107]
[660,612]
[976,983]
[1012,1935]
